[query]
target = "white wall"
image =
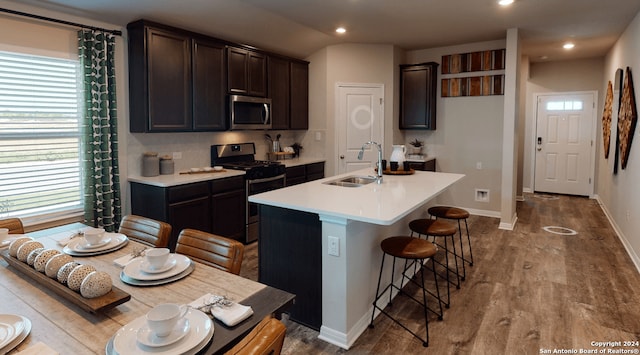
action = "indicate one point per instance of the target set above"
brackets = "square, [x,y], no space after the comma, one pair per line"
[468,131]
[562,76]
[350,63]
[620,194]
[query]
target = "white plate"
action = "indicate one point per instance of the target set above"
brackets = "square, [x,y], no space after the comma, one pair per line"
[135,282]
[25,326]
[87,246]
[146,336]
[6,333]
[134,270]
[11,327]
[75,246]
[198,336]
[146,267]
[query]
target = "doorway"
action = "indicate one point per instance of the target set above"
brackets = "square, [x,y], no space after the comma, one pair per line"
[565,143]
[359,119]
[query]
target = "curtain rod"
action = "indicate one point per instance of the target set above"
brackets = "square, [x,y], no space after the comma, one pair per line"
[49,19]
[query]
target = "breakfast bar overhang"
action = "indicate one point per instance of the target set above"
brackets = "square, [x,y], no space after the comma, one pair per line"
[322,242]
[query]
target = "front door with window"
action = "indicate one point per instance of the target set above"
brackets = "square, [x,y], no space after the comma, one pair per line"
[564,147]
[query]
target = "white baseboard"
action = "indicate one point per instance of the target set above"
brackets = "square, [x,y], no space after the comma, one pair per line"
[623,239]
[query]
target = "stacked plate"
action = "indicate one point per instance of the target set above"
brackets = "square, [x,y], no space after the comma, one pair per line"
[111,242]
[13,330]
[190,335]
[139,273]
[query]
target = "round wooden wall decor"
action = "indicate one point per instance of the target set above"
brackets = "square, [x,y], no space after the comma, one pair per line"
[606,120]
[627,118]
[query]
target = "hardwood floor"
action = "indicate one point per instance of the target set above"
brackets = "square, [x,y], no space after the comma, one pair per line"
[529,291]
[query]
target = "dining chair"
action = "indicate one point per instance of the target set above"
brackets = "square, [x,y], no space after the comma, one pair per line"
[211,249]
[266,338]
[13,224]
[146,230]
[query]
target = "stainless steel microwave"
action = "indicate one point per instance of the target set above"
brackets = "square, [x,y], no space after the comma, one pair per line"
[249,112]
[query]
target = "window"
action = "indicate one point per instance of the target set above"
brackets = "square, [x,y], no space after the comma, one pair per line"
[39,136]
[564,106]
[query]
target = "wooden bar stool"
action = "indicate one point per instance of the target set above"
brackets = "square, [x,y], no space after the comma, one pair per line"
[457,214]
[414,249]
[440,229]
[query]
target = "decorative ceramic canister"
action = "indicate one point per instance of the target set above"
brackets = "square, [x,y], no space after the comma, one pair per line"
[150,164]
[166,165]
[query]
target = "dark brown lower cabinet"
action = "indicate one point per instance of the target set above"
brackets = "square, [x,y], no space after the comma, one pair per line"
[216,206]
[290,258]
[429,165]
[303,173]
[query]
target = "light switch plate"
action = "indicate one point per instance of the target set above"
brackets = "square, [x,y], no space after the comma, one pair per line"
[334,246]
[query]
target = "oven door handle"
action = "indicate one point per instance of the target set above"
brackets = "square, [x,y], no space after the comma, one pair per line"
[257,181]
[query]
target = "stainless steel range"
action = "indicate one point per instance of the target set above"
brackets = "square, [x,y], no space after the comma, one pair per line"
[261,176]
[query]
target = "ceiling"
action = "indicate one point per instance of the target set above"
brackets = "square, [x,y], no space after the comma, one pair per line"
[301,27]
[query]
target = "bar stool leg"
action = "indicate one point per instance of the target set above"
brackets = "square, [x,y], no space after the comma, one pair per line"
[373,313]
[466,226]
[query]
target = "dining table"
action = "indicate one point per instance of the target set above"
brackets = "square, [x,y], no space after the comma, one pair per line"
[69,329]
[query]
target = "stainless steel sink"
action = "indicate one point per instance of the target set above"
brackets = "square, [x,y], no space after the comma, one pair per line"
[352,181]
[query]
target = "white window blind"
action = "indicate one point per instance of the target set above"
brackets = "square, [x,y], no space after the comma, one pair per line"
[39,136]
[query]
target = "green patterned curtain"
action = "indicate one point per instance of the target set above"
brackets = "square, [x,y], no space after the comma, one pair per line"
[102,204]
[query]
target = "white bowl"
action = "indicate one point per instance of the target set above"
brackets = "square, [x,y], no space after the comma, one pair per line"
[207,168]
[217,168]
[195,170]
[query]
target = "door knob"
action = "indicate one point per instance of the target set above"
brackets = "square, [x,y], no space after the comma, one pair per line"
[341,156]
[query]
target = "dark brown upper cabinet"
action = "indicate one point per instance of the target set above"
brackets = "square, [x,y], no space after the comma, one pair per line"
[279,91]
[180,81]
[246,72]
[159,80]
[209,86]
[418,87]
[289,92]
[176,81]
[299,95]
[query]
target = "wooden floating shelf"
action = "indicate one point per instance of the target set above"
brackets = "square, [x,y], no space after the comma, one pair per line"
[93,305]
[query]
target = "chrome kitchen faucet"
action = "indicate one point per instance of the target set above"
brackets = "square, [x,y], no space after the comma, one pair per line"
[379,177]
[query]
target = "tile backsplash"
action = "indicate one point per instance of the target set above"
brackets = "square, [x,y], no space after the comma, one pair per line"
[195,147]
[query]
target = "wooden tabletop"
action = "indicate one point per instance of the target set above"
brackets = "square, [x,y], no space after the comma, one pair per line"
[69,329]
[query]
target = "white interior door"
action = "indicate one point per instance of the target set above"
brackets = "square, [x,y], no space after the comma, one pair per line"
[564,144]
[360,118]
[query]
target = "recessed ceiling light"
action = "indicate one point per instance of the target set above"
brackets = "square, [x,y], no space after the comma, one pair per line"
[568,45]
[544,57]
[505,2]
[341,30]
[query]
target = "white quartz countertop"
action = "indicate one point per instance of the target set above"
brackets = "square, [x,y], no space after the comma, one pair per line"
[382,204]
[181,179]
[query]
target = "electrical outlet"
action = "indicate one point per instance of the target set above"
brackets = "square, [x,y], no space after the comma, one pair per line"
[628,215]
[479,165]
[334,246]
[177,155]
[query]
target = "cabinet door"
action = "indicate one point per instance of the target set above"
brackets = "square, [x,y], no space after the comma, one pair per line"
[228,210]
[169,81]
[418,88]
[237,75]
[296,175]
[299,112]
[246,72]
[257,74]
[279,92]
[188,214]
[209,94]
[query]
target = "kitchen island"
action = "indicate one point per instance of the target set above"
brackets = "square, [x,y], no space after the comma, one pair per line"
[323,242]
